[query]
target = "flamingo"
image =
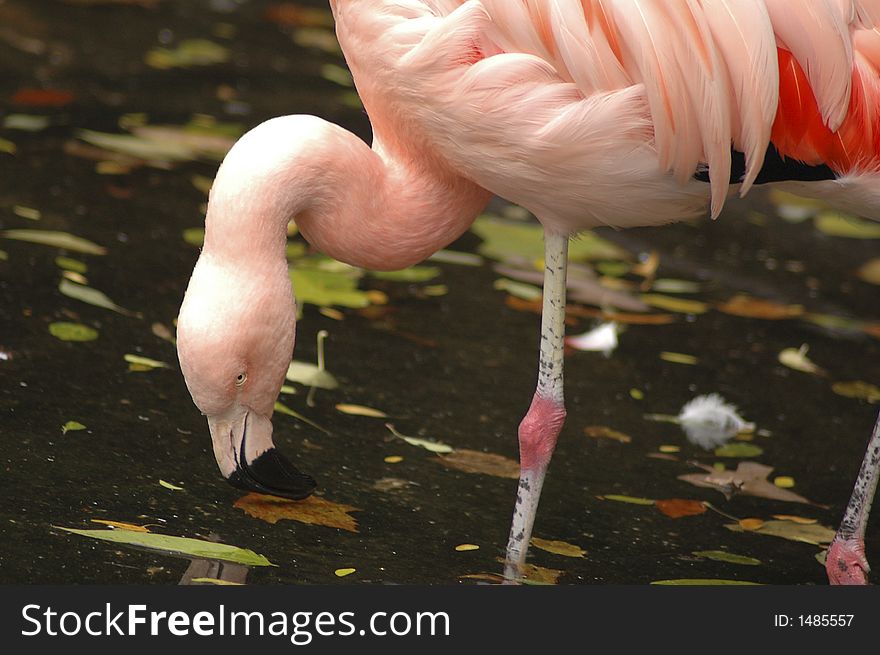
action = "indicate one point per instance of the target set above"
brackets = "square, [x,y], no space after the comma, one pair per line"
[586,113]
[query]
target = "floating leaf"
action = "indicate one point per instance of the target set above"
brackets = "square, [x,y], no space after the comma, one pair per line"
[190,52]
[56,239]
[678,358]
[748,307]
[602,432]
[139,147]
[857,389]
[337,74]
[217,581]
[393,459]
[68,264]
[7,146]
[26,122]
[724,556]
[455,257]
[360,410]
[811,533]
[72,331]
[474,461]
[739,449]
[665,285]
[558,547]
[281,408]
[168,485]
[176,545]
[540,575]
[837,224]
[310,375]
[72,426]
[144,362]
[870,271]
[668,448]
[314,510]
[432,446]
[794,519]
[794,208]
[751,524]
[341,573]
[701,582]
[708,421]
[749,479]
[463,548]
[325,288]
[672,304]
[784,481]
[27,212]
[506,240]
[627,499]
[194,236]
[42,97]
[678,507]
[796,358]
[601,339]
[518,289]
[122,526]
[411,274]
[92,297]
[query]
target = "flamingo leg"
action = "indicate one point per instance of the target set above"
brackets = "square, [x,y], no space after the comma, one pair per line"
[846,562]
[540,428]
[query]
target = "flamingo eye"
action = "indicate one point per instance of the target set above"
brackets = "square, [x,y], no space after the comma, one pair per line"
[240,379]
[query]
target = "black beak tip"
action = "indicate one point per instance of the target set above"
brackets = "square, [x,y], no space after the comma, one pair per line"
[272,473]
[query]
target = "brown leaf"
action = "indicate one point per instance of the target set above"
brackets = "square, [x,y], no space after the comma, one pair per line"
[749,479]
[42,98]
[474,461]
[748,307]
[677,507]
[314,510]
[602,432]
[620,317]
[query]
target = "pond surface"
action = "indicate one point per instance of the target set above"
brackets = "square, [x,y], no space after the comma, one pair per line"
[455,365]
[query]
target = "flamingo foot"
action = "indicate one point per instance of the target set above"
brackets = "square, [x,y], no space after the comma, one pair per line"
[538,433]
[845,562]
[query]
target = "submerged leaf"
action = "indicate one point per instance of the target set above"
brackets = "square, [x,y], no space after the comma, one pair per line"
[634,500]
[474,461]
[72,331]
[190,52]
[870,271]
[837,224]
[360,410]
[739,449]
[602,432]
[314,510]
[678,358]
[748,307]
[857,389]
[432,446]
[702,582]
[144,362]
[411,274]
[672,304]
[176,545]
[122,526]
[57,239]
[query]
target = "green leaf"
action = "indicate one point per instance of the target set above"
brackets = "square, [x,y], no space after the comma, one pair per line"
[194,236]
[144,361]
[92,297]
[456,257]
[68,264]
[190,52]
[411,274]
[431,446]
[724,556]
[739,449]
[72,426]
[56,239]
[281,408]
[505,240]
[72,331]
[518,289]
[168,485]
[26,122]
[176,545]
[628,499]
[702,582]
[326,288]
[836,224]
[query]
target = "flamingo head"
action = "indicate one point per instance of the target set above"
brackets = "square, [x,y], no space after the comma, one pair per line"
[235,336]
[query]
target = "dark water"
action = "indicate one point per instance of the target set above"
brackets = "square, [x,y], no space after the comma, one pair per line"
[469,388]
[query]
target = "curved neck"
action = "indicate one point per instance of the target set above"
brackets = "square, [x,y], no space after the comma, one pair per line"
[356,204]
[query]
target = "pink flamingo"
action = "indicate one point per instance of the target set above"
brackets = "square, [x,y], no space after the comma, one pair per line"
[585,112]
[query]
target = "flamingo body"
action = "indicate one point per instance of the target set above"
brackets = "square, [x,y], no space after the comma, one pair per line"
[585,112]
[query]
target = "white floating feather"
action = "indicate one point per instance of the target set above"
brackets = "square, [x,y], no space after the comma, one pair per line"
[601,339]
[709,421]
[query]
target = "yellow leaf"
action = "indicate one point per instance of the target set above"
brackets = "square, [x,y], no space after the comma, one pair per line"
[784,481]
[168,485]
[314,510]
[341,573]
[558,547]
[463,548]
[218,581]
[671,304]
[795,519]
[360,410]
[122,526]
[393,459]
[602,432]
[669,449]
[751,524]
[627,499]
[870,271]
[678,358]
[857,389]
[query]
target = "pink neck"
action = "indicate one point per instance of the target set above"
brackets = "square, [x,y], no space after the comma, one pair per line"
[356,204]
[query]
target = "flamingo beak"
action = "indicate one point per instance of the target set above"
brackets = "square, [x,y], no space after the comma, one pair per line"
[249,459]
